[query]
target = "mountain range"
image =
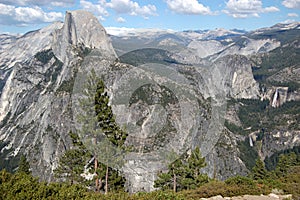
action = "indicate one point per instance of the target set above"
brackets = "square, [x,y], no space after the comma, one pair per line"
[235,94]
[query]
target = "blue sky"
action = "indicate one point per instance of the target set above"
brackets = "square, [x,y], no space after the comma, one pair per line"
[20,16]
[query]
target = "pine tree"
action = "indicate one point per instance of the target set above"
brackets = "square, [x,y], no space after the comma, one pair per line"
[106,118]
[98,119]
[24,166]
[184,173]
[259,171]
[172,178]
[194,177]
[71,163]
[284,163]
[107,123]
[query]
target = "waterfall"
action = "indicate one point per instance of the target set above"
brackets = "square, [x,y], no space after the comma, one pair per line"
[250,141]
[274,102]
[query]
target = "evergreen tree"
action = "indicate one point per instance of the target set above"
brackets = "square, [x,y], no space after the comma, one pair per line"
[171,179]
[259,171]
[284,163]
[98,119]
[24,166]
[71,164]
[106,118]
[107,123]
[194,177]
[184,173]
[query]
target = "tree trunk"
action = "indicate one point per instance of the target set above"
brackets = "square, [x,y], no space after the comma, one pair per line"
[106,180]
[174,182]
[97,176]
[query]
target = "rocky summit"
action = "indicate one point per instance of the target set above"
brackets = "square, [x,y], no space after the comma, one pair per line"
[230,93]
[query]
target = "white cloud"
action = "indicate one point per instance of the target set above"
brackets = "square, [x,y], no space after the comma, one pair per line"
[97,9]
[117,31]
[189,7]
[121,20]
[293,15]
[22,16]
[288,21]
[132,8]
[146,32]
[270,9]
[294,4]
[247,8]
[60,3]
[119,6]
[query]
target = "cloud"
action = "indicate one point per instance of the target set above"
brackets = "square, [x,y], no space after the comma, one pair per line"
[121,20]
[294,4]
[60,3]
[117,31]
[247,8]
[23,16]
[131,8]
[288,21]
[97,9]
[119,6]
[293,15]
[189,7]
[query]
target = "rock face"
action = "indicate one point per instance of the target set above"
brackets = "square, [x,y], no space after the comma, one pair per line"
[169,98]
[80,28]
[38,70]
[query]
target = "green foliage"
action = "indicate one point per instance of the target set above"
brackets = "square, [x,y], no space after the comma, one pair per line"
[19,186]
[275,61]
[272,161]
[292,86]
[98,115]
[194,177]
[236,186]
[251,112]
[291,182]
[24,166]
[151,95]
[259,115]
[259,171]
[183,173]
[285,163]
[106,118]
[159,195]
[66,86]
[233,128]
[71,163]
[147,55]
[247,153]
[240,180]
[98,120]
[82,50]
[25,186]
[44,56]
[116,181]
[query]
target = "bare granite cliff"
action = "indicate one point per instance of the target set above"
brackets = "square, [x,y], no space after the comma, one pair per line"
[38,74]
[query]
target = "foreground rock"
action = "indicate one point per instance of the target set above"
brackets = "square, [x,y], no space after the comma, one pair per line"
[251,197]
